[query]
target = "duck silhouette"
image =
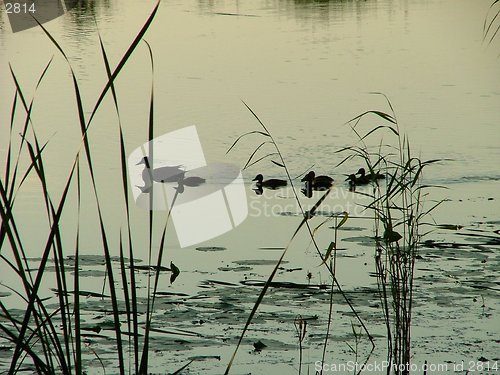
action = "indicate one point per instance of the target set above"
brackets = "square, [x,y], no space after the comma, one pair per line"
[273,183]
[370,176]
[356,181]
[363,178]
[160,174]
[166,174]
[314,182]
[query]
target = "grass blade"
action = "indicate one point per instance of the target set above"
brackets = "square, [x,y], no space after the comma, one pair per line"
[76,281]
[124,60]
[38,280]
[261,158]
[254,152]
[244,135]
[143,367]
[271,277]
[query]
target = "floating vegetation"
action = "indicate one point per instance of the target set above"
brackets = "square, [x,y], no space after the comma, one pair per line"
[235,268]
[450,226]
[211,248]
[259,345]
[283,284]
[151,268]
[258,262]
[361,240]
[92,273]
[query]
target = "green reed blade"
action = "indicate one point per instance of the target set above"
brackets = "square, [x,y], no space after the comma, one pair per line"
[270,279]
[38,280]
[124,60]
[143,367]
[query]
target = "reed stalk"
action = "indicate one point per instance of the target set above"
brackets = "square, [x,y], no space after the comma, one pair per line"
[277,158]
[49,339]
[399,205]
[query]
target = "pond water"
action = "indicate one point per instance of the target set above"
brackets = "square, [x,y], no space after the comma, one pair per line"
[305,68]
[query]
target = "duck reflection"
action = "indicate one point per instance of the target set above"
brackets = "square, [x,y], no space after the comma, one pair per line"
[193,181]
[258,190]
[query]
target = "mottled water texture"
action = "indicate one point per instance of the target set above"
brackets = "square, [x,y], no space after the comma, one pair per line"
[457,281]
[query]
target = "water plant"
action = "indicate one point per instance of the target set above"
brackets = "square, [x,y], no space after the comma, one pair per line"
[327,259]
[51,338]
[491,26]
[399,203]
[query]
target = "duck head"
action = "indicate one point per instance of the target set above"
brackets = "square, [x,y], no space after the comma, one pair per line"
[309,177]
[352,179]
[258,178]
[361,171]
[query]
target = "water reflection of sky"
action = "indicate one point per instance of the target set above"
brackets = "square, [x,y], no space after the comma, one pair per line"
[306,67]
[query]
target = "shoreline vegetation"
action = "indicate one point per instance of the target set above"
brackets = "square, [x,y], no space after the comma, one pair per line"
[48,339]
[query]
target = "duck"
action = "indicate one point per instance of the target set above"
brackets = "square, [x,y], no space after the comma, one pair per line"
[363,179]
[370,176]
[317,182]
[273,183]
[355,181]
[160,174]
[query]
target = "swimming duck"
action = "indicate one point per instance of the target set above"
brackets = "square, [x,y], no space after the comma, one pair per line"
[354,180]
[370,176]
[272,183]
[363,179]
[318,182]
[160,174]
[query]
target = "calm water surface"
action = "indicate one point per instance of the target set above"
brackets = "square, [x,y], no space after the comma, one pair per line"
[305,68]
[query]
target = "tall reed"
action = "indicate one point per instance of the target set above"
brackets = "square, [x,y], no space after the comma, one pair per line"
[276,157]
[399,205]
[491,26]
[49,339]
